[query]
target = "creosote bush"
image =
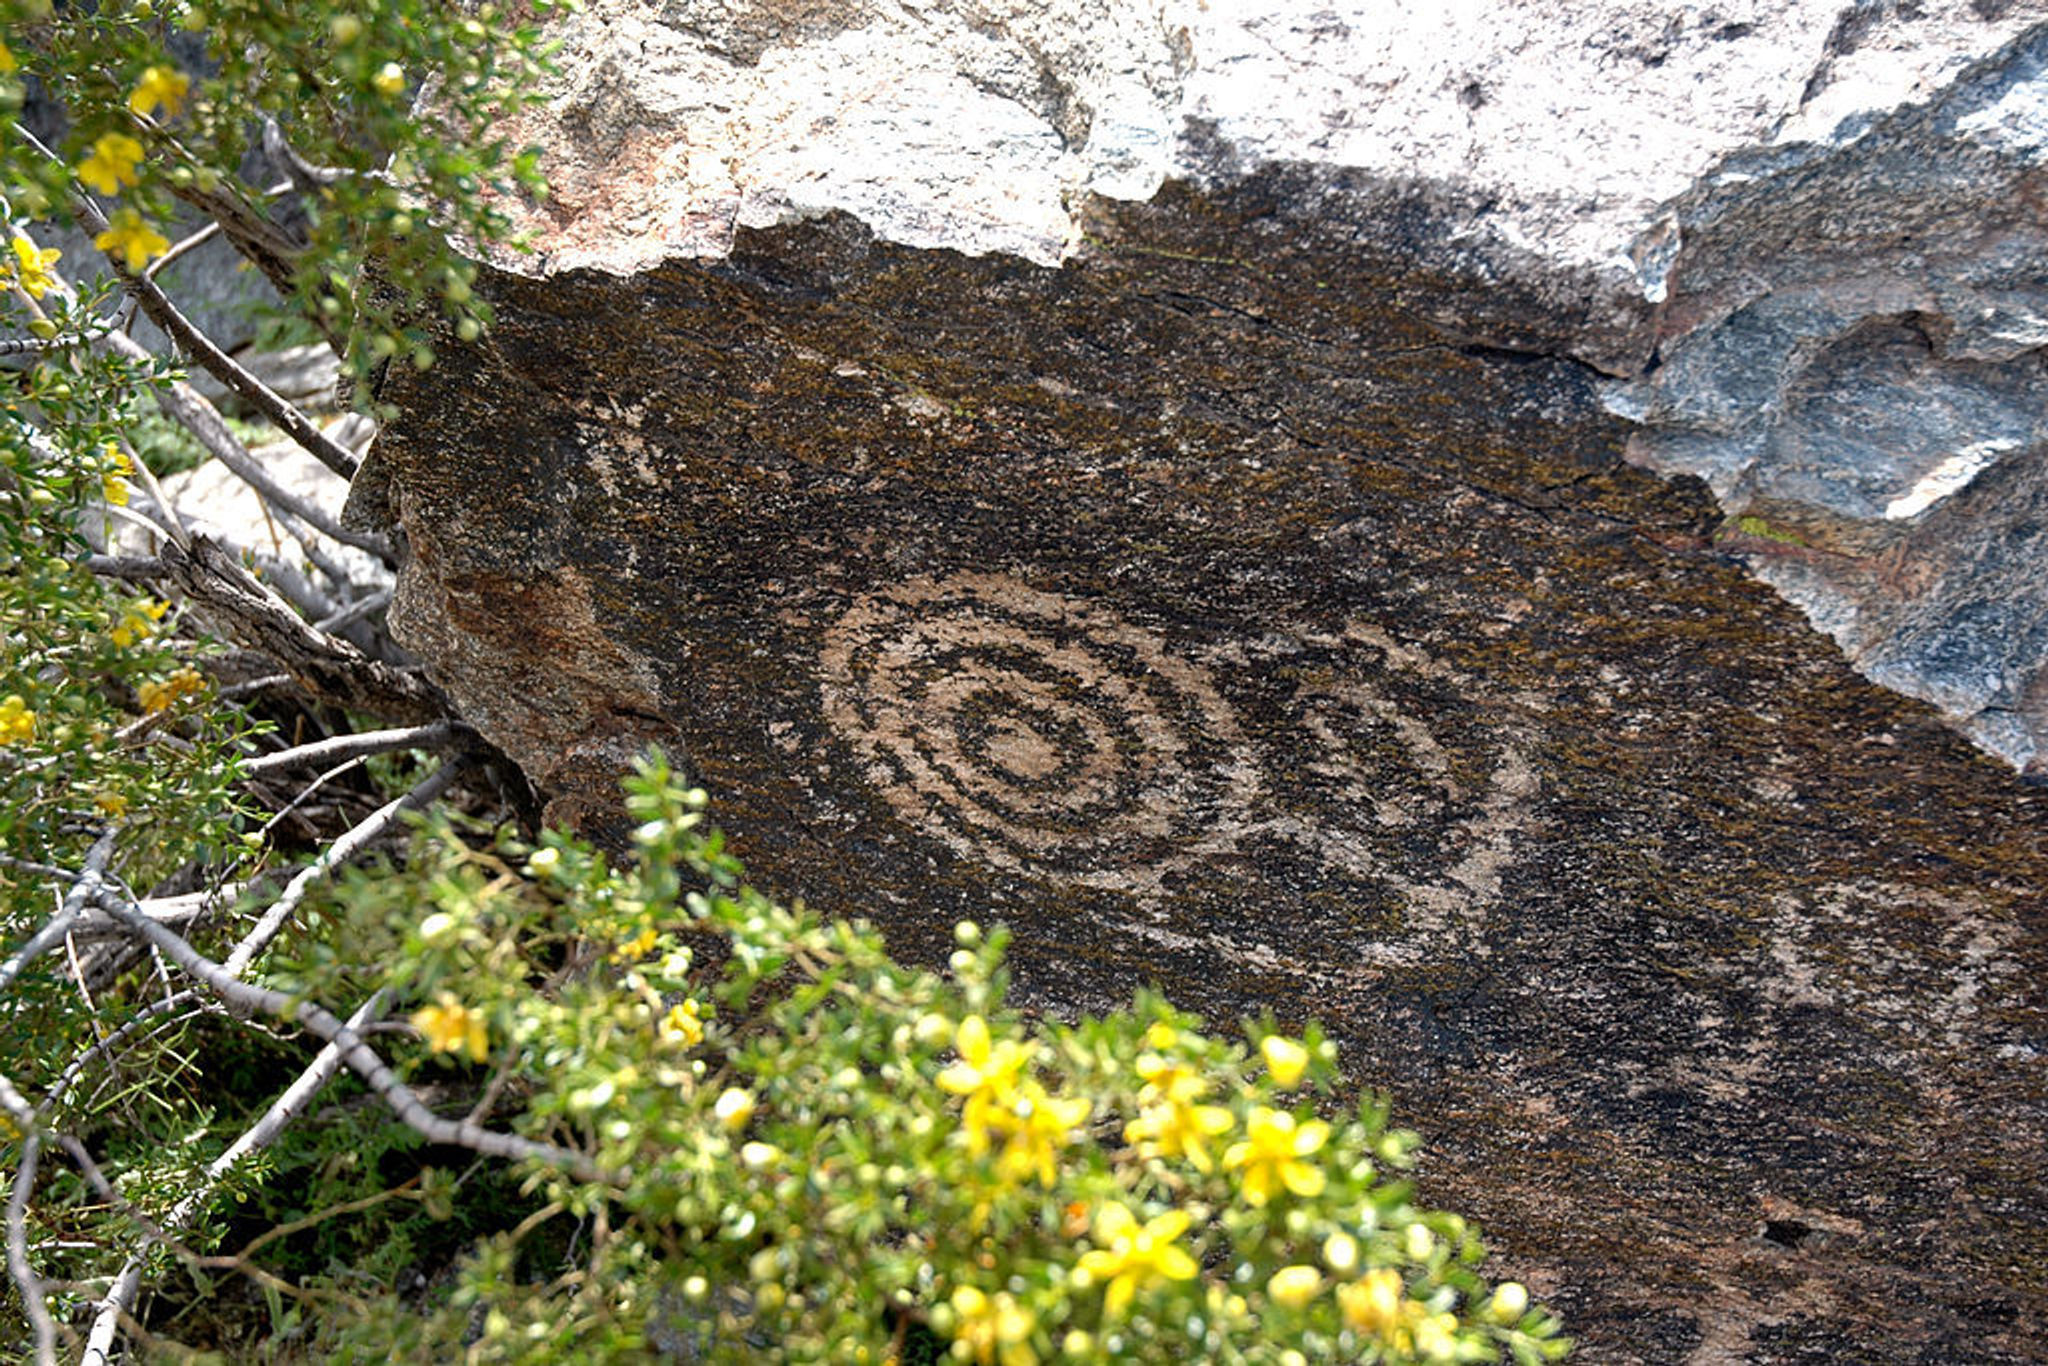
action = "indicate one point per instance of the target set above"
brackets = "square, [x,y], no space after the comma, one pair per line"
[803,1150]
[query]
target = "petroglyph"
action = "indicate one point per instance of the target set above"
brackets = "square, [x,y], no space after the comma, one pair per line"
[1036,732]
[1053,737]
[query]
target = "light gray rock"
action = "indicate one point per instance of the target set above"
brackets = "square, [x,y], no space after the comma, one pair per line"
[1852,358]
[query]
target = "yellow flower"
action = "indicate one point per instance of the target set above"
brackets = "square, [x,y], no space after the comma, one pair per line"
[158,697]
[389,80]
[1131,1258]
[31,268]
[1436,1337]
[636,947]
[138,621]
[1376,1307]
[1295,1286]
[111,804]
[452,1027]
[1172,1124]
[160,85]
[1034,1128]
[1285,1059]
[114,479]
[996,1330]
[7,62]
[17,722]
[683,1026]
[1270,1157]
[987,1073]
[138,243]
[112,163]
[1372,1304]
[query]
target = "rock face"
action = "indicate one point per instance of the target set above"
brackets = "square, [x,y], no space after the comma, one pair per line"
[1808,236]
[1181,553]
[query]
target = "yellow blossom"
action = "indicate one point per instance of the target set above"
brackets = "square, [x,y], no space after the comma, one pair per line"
[114,479]
[452,1027]
[987,1073]
[1510,1299]
[995,1329]
[160,85]
[1436,1337]
[683,1026]
[1270,1157]
[1376,1307]
[111,804]
[1131,1258]
[138,621]
[136,241]
[1285,1059]
[30,268]
[1161,1036]
[1034,1128]
[7,62]
[1294,1286]
[1372,1304]
[17,722]
[159,697]
[1172,1124]
[636,947]
[389,80]
[112,163]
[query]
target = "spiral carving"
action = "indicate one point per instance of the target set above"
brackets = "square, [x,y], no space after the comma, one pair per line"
[1392,800]
[1036,732]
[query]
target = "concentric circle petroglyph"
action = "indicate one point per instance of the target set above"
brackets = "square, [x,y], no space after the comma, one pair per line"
[1037,732]
[1396,797]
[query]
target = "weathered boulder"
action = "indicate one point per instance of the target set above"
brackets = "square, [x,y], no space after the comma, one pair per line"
[1809,235]
[1193,565]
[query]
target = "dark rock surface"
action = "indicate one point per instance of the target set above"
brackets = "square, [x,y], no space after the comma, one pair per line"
[1201,613]
[1806,239]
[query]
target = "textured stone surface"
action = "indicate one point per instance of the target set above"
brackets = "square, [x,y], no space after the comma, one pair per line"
[1807,236]
[1852,357]
[1204,613]
[1156,476]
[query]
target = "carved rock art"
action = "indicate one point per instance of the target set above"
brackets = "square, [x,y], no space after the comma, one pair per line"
[1392,802]
[1049,736]
[1036,732]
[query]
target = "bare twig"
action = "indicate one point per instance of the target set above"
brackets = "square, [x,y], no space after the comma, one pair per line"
[30,1286]
[355,611]
[437,735]
[130,567]
[89,884]
[161,311]
[361,1058]
[234,692]
[158,308]
[100,1339]
[325,665]
[184,245]
[341,851]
